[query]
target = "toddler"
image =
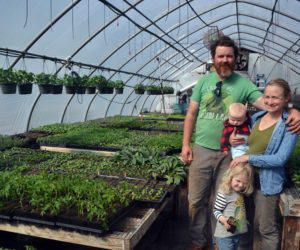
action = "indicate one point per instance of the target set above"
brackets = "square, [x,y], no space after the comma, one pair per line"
[237,118]
[229,206]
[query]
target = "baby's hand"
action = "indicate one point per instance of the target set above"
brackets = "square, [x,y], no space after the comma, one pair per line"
[225,152]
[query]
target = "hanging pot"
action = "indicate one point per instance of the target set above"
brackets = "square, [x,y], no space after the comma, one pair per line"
[70,89]
[80,90]
[57,89]
[25,89]
[8,87]
[139,91]
[106,90]
[45,88]
[90,90]
[119,90]
[153,92]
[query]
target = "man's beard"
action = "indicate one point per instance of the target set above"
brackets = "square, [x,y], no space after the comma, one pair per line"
[225,70]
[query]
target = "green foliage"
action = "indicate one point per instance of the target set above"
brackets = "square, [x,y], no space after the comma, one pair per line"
[68,80]
[42,78]
[7,142]
[165,141]
[55,80]
[154,88]
[169,167]
[84,81]
[168,90]
[292,166]
[50,193]
[7,75]
[94,81]
[139,87]
[24,77]
[119,84]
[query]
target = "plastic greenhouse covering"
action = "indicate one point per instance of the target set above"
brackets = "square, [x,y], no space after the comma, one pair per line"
[159,42]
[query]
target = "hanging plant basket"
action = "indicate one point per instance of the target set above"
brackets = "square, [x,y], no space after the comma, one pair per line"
[8,87]
[90,90]
[57,89]
[25,89]
[153,92]
[106,90]
[70,89]
[45,88]
[119,90]
[80,90]
[139,91]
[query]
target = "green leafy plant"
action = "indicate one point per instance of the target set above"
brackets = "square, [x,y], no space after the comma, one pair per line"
[168,90]
[69,80]
[153,88]
[139,87]
[119,84]
[24,77]
[42,78]
[55,80]
[7,76]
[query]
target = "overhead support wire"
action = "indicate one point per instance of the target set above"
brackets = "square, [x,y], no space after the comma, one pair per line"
[22,54]
[270,24]
[237,22]
[289,49]
[93,36]
[49,26]
[166,34]
[207,25]
[118,11]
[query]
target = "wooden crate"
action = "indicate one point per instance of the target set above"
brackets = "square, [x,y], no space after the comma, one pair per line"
[290,210]
[123,236]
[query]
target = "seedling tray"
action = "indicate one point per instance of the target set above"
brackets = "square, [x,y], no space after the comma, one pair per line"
[152,203]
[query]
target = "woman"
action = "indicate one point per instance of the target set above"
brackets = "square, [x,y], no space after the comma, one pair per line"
[270,146]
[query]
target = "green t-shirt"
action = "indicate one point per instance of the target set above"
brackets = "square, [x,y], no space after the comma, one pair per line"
[213,110]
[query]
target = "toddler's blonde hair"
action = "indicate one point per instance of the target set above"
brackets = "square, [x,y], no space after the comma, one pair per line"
[225,184]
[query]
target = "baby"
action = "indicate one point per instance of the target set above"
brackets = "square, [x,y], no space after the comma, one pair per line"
[237,118]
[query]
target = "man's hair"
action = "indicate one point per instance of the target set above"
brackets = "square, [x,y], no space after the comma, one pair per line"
[226,42]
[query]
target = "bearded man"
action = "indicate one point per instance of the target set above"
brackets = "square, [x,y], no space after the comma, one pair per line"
[208,109]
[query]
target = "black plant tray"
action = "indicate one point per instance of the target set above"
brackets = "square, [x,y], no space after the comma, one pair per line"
[152,203]
[85,226]
[33,218]
[5,215]
[79,225]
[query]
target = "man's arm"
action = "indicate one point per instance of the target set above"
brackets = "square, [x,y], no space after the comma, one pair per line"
[189,124]
[293,121]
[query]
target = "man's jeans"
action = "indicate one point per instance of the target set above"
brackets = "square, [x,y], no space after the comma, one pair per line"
[205,174]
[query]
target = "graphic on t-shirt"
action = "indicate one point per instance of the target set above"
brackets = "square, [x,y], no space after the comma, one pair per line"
[215,107]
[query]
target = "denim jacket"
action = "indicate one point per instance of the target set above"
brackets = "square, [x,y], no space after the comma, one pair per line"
[279,149]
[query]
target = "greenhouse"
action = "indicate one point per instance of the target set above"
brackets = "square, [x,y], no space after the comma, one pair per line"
[96,99]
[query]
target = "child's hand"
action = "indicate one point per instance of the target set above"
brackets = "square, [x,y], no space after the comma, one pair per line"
[225,152]
[224,220]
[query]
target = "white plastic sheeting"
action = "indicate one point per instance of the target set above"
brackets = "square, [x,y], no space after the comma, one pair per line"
[132,41]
